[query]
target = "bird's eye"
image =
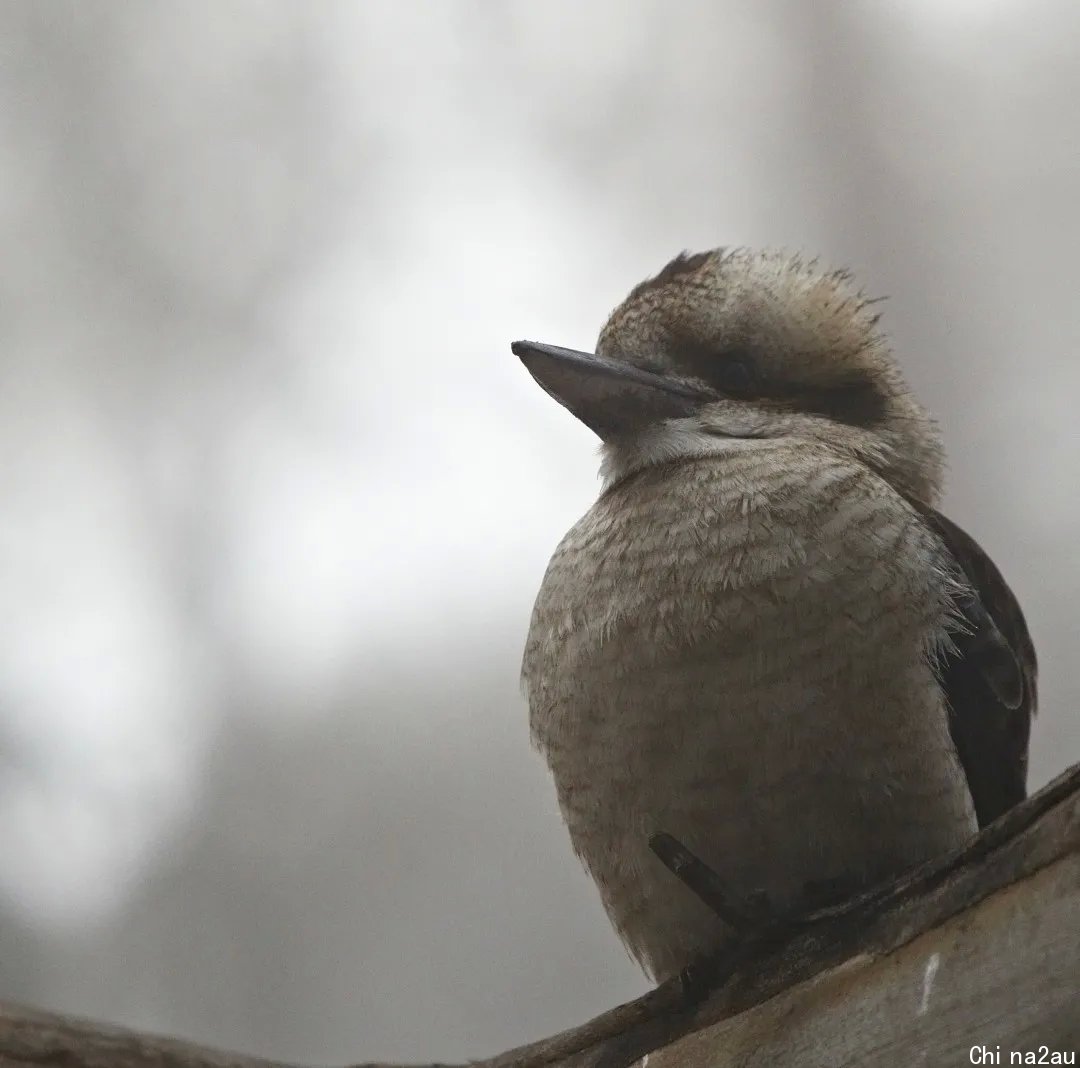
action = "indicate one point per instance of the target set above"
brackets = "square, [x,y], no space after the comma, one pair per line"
[728,369]
[732,374]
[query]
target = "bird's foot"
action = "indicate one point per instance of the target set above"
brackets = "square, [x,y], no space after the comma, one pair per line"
[739,914]
[696,980]
[756,923]
[707,973]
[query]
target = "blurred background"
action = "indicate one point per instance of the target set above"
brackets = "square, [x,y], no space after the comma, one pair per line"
[275,497]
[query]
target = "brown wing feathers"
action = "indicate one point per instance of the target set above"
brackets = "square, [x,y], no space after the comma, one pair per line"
[989,679]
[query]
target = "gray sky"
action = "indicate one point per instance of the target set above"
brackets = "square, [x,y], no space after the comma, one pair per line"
[277,497]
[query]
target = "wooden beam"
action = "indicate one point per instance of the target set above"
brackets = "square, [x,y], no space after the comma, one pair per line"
[1003,977]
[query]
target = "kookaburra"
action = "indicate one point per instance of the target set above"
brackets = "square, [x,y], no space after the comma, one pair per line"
[763,639]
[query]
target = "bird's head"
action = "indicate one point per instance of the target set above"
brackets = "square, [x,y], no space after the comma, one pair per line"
[722,348]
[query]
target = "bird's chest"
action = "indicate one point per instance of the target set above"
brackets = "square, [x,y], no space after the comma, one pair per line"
[707,632]
[743,663]
[652,611]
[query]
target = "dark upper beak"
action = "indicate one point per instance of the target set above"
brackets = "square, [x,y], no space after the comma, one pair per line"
[612,399]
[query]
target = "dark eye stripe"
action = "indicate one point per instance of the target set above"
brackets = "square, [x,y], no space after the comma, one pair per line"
[730,371]
[733,374]
[856,401]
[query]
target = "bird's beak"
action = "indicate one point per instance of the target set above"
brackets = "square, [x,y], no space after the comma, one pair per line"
[612,399]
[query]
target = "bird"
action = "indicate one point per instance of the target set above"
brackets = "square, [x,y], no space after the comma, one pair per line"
[763,638]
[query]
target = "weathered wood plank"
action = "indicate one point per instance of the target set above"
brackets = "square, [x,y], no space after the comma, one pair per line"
[1004,975]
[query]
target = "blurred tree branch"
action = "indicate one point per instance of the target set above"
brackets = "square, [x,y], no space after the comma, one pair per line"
[999,918]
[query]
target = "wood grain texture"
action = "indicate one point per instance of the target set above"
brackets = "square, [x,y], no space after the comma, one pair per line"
[1005,974]
[1002,917]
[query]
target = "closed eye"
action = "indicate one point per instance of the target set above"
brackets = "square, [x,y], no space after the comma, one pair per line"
[730,371]
[732,374]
